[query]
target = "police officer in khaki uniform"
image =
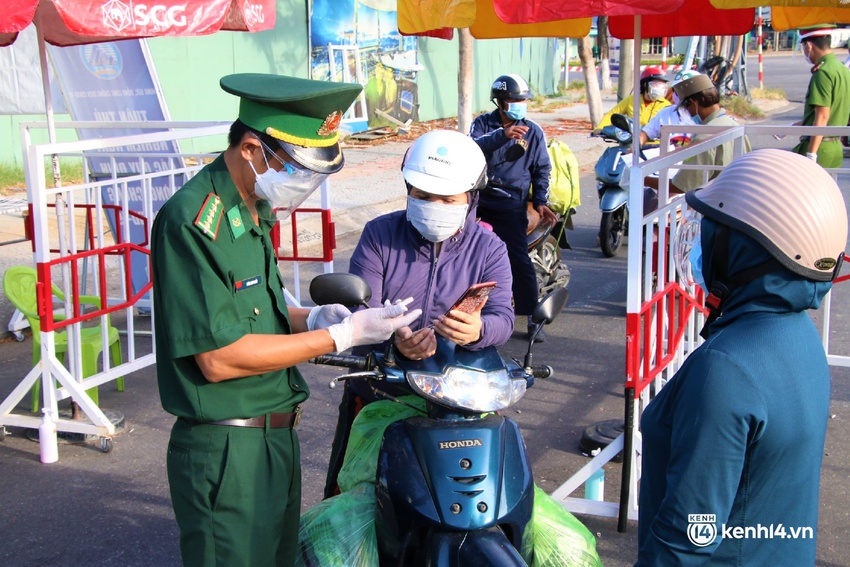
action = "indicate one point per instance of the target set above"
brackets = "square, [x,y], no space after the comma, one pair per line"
[227,344]
[827,98]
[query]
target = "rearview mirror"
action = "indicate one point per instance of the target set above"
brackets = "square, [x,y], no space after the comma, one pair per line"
[347,289]
[550,306]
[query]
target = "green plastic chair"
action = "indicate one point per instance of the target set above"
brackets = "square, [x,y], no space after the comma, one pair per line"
[19,286]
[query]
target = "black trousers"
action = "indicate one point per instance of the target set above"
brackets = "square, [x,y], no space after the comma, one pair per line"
[511,227]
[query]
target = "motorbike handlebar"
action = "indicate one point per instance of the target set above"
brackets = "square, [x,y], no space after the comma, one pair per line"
[344,360]
[542,371]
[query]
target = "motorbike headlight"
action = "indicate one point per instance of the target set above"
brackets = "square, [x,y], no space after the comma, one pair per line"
[468,389]
[622,136]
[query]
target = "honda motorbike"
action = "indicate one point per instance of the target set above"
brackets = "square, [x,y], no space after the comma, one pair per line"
[453,483]
[613,195]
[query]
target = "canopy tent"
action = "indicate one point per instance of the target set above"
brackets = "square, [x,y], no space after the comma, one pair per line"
[77,22]
[689,19]
[438,19]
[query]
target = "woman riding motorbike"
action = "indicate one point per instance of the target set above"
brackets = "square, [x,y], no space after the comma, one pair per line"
[432,252]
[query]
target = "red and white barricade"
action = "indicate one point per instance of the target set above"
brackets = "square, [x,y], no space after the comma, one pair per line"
[78,251]
[664,317]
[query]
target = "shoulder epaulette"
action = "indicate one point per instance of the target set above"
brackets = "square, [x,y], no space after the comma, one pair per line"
[209,217]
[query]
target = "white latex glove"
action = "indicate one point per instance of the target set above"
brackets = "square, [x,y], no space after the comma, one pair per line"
[372,326]
[323,316]
[812,156]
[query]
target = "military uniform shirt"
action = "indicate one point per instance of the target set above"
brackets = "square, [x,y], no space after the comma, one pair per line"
[210,292]
[829,87]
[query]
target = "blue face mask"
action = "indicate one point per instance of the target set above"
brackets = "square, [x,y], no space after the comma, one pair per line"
[696,118]
[516,110]
[695,258]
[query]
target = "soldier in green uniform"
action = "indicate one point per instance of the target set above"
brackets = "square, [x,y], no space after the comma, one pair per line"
[226,342]
[827,98]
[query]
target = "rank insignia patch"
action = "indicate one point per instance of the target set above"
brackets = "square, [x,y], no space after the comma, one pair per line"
[209,217]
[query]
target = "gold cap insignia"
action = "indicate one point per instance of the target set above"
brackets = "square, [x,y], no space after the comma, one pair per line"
[331,123]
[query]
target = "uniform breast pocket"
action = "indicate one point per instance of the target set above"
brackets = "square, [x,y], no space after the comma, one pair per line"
[254,304]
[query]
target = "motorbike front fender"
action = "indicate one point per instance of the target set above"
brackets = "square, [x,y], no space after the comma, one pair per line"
[613,197]
[485,547]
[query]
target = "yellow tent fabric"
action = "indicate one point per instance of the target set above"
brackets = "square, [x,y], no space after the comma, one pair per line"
[488,25]
[417,16]
[785,18]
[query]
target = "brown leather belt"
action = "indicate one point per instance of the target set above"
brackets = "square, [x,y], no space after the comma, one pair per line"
[275,420]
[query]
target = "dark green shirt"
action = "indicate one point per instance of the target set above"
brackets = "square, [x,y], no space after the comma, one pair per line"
[829,87]
[210,292]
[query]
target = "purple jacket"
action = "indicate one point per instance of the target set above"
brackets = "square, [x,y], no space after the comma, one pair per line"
[397,263]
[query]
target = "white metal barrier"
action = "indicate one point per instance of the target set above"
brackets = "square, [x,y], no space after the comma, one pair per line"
[664,317]
[75,253]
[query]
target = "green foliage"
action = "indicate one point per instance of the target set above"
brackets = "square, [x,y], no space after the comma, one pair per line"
[671,60]
[12,177]
[576,85]
[771,93]
[741,107]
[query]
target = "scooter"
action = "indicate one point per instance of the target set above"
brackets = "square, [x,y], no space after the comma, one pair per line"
[453,483]
[613,197]
[545,252]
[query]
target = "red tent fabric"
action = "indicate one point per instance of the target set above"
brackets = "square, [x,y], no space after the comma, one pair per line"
[693,17]
[75,22]
[525,12]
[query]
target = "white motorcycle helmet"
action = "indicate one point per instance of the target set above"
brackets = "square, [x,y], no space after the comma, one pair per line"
[684,74]
[445,162]
[787,203]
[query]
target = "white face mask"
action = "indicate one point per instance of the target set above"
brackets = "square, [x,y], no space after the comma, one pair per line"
[435,221]
[657,92]
[286,189]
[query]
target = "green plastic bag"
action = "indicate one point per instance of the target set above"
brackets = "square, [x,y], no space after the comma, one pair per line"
[340,531]
[557,537]
[361,456]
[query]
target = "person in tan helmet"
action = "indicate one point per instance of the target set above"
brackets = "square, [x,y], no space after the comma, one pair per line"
[735,439]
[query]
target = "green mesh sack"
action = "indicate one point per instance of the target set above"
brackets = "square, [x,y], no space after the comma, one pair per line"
[340,531]
[367,431]
[557,537]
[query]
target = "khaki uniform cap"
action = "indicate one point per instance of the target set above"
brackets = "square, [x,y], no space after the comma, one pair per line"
[785,202]
[692,86]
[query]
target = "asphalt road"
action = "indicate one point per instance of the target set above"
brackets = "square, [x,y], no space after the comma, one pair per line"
[93,509]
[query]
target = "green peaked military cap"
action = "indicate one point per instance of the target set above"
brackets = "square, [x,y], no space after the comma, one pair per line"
[302,114]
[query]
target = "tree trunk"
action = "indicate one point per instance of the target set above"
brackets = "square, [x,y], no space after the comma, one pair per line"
[464,80]
[604,56]
[625,82]
[591,82]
